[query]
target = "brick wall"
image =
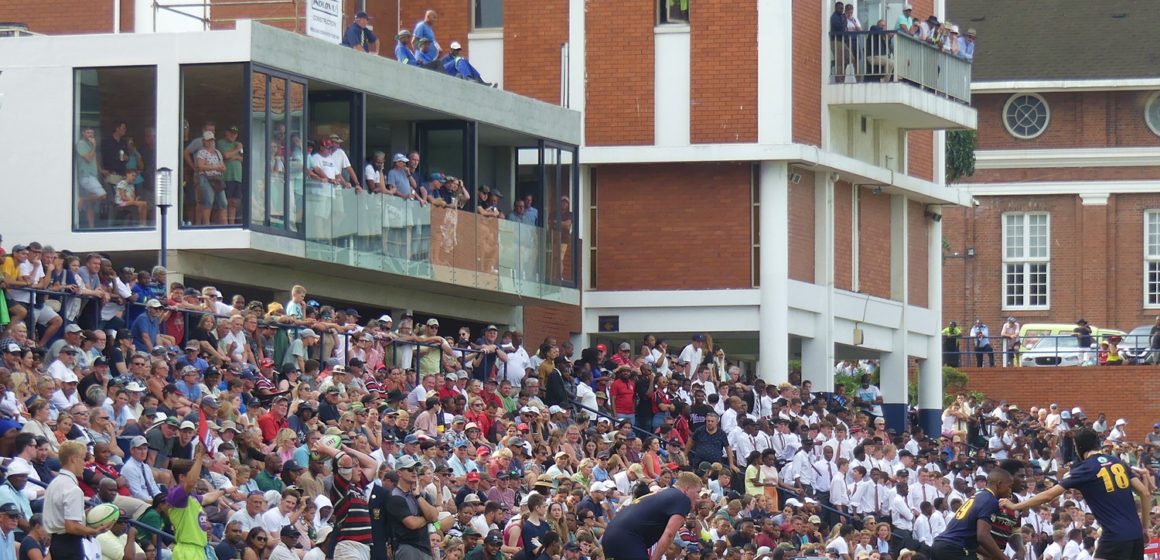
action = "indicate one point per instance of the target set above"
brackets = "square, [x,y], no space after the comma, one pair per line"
[1093,389]
[920,154]
[533,31]
[548,319]
[59,17]
[668,227]
[1091,277]
[723,97]
[801,227]
[919,234]
[807,72]
[874,243]
[843,236]
[619,97]
[1078,120]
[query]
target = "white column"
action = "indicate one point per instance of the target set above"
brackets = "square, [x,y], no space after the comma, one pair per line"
[773,339]
[818,352]
[168,130]
[930,388]
[894,363]
[774,71]
[577,55]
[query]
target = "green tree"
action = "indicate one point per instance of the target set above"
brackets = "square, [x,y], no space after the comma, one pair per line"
[960,154]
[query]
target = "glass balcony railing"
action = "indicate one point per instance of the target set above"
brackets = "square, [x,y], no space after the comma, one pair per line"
[391,234]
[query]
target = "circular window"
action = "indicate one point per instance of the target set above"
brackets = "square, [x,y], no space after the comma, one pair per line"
[1152,113]
[1026,115]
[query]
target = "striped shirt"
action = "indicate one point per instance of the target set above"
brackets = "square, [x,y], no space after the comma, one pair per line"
[352,512]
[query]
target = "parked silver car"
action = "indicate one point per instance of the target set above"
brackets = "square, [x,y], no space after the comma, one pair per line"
[1136,347]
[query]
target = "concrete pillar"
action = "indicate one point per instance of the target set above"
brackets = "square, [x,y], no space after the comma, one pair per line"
[818,352]
[773,339]
[930,387]
[894,363]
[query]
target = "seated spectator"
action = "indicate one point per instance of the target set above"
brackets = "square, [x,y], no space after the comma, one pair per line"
[457,65]
[125,196]
[428,58]
[441,191]
[210,167]
[403,52]
[359,37]
[90,192]
[519,213]
[878,52]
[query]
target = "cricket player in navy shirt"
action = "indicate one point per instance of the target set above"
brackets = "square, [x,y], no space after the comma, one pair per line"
[969,532]
[1107,485]
[653,519]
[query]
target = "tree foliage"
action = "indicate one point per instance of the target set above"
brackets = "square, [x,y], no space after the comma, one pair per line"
[960,154]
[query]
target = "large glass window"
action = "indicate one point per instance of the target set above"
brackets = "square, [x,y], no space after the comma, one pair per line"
[277,168]
[114,151]
[1026,261]
[1152,259]
[673,11]
[214,136]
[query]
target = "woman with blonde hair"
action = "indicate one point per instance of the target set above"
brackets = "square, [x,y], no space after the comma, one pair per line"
[882,538]
[285,443]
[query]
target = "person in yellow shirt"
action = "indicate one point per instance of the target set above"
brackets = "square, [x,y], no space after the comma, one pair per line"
[119,542]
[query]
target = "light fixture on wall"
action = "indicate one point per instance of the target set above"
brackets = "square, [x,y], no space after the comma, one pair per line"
[164,179]
[877,190]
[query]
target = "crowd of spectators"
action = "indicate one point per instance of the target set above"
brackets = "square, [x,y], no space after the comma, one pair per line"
[292,429]
[869,49]
[418,48]
[978,345]
[113,186]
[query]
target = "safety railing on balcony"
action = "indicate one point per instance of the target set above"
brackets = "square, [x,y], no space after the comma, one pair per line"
[887,56]
[392,234]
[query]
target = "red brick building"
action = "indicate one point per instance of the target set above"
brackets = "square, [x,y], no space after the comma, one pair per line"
[1066,222]
[733,179]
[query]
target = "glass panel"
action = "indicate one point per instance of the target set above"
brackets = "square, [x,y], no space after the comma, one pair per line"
[1014,241]
[115,151]
[488,14]
[443,152]
[1037,285]
[213,100]
[674,11]
[1037,236]
[295,150]
[276,153]
[260,195]
[1153,283]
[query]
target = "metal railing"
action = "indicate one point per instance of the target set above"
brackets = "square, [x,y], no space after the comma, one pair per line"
[888,56]
[1043,351]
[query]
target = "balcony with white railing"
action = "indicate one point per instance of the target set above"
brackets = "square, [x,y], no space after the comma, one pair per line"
[909,83]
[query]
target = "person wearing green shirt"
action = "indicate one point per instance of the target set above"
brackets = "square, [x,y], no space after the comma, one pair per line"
[232,152]
[191,527]
[269,478]
[157,518]
[950,341]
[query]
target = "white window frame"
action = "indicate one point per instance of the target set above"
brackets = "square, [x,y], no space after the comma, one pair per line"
[1151,258]
[474,7]
[1025,260]
[1153,100]
[1007,105]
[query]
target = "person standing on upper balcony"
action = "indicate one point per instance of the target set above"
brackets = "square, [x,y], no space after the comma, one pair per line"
[425,29]
[905,20]
[359,37]
[838,46]
[967,45]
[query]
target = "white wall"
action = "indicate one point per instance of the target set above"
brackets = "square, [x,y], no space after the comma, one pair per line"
[673,90]
[879,145]
[485,49]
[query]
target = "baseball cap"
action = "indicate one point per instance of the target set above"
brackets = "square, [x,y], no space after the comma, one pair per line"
[187,425]
[307,333]
[22,468]
[493,537]
[455,45]
[407,462]
[291,531]
[596,487]
[361,15]
[815,519]
[207,135]
[153,303]
[10,509]
[473,476]
[73,328]
[1121,422]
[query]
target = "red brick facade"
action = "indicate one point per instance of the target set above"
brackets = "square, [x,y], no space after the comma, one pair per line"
[1095,390]
[724,96]
[533,31]
[544,320]
[918,230]
[801,227]
[619,96]
[453,23]
[843,236]
[920,154]
[807,74]
[56,17]
[874,243]
[1095,119]
[673,227]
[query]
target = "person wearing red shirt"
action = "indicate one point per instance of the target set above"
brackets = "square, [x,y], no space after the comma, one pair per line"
[448,390]
[274,421]
[624,356]
[624,395]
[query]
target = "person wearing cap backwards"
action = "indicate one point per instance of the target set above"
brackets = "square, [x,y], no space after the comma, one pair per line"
[359,37]
[652,520]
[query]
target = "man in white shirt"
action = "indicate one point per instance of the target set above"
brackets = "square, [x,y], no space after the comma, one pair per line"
[825,470]
[927,525]
[518,359]
[1054,551]
[922,491]
[1074,545]
[862,499]
[839,491]
[287,539]
[784,442]
[691,355]
[251,515]
[996,444]
[901,516]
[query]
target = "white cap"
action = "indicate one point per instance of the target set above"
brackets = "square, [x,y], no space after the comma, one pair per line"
[596,487]
[1121,422]
[907,7]
[134,387]
[793,502]
[555,409]
[384,318]
[455,45]
[1077,410]
[67,377]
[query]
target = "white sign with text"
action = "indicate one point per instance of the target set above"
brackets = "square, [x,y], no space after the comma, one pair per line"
[324,20]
